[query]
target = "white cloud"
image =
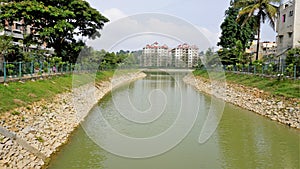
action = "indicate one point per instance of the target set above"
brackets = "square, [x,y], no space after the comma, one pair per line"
[213,37]
[134,32]
[114,14]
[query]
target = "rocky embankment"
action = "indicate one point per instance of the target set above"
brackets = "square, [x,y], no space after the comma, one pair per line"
[30,135]
[283,110]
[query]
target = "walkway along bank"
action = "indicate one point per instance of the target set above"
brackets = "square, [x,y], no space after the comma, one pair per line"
[283,110]
[30,135]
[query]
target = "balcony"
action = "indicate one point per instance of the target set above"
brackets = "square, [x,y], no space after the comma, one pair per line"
[14,34]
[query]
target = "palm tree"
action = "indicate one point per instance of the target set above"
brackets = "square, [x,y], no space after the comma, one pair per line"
[261,10]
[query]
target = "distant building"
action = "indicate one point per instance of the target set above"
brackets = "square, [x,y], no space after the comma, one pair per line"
[288,27]
[162,56]
[185,55]
[17,30]
[156,56]
[266,49]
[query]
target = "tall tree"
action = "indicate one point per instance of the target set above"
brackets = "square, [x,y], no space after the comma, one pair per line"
[233,31]
[58,23]
[261,10]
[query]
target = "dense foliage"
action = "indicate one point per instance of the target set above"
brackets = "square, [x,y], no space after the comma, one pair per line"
[259,10]
[91,59]
[235,37]
[6,45]
[293,56]
[58,23]
[232,31]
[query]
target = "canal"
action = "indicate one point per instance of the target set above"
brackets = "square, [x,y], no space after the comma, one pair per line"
[242,140]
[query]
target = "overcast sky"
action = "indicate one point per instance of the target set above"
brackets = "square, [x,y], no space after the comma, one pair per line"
[205,15]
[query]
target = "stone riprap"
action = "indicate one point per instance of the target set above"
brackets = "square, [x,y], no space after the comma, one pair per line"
[31,134]
[283,110]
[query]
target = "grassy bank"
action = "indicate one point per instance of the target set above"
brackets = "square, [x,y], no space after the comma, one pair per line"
[17,94]
[284,87]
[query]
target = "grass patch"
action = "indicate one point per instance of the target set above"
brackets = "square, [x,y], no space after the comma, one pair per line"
[284,87]
[40,139]
[15,113]
[42,89]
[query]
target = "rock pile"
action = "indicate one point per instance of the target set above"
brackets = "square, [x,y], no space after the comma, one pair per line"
[283,110]
[42,127]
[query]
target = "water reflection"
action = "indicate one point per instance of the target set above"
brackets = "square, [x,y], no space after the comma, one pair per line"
[248,140]
[243,140]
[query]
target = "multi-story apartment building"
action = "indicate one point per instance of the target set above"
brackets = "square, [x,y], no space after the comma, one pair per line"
[265,49]
[17,30]
[185,55]
[156,56]
[288,27]
[162,56]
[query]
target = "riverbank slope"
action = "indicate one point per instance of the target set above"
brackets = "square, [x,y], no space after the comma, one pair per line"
[280,109]
[31,134]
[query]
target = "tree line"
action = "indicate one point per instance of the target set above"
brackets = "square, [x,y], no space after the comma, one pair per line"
[60,25]
[242,25]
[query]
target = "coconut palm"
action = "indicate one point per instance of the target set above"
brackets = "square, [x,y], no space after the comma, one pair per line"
[261,10]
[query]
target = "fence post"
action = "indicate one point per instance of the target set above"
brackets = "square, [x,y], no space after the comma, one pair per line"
[31,68]
[41,69]
[67,68]
[57,69]
[254,69]
[4,71]
[20,69]
[249,68]
[295,72]
[49,68]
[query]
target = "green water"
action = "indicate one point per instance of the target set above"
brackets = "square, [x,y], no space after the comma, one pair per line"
[242,140]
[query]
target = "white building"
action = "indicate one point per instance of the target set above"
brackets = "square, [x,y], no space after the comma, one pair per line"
[162,56]
[156,56]
[185,55]
[288,27]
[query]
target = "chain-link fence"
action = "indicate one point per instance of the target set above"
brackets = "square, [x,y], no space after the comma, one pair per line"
[11,71]
[290,71]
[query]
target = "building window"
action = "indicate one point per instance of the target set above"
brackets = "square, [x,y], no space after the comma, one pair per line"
[281,39]
[290,34]
[286,5]
[291,13]
[283,18]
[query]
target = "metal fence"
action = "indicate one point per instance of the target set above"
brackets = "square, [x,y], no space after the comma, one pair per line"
[12,71]
[276,71]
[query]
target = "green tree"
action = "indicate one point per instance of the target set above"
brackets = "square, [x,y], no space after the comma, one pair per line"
[233,31]
[56,23]
[210,58]
[235,38]
[260,10]
[6,45]
[234,55]
[293,56]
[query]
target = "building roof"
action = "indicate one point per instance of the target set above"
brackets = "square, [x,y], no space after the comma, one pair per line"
[155,45]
